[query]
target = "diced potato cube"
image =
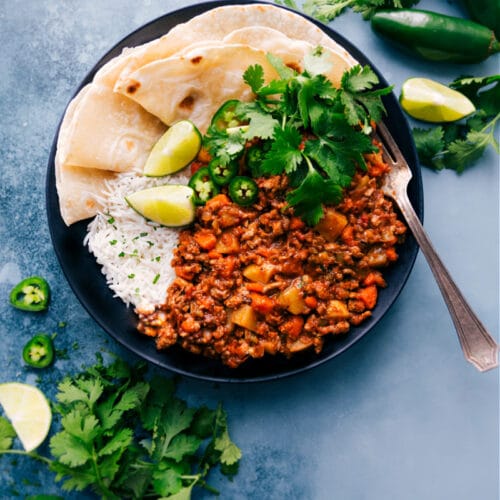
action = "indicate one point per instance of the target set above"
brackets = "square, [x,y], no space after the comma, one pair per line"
[337,310]
[300,344]
[331,225]
[292,299]
[245,317]
[260,274]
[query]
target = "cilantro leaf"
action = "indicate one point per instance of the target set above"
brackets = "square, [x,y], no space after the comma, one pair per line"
[327,10]
[7,434]
[314,190]
[223,145]
[182,445]
[167,481]
[230,454]
[463,153]
[254,77]
[261,125]
[317,62]
[69,449]
[119,442]
[429,143]
[284,72]
[284,155]
[362,102]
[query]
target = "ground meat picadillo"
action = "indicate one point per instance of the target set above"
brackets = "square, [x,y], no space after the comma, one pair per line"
[256,280]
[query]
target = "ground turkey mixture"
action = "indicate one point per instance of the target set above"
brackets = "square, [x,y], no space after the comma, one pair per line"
[257,280]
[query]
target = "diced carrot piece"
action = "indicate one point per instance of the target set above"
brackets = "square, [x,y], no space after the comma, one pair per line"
[296,223]
[206,239]
[311,302]
[262,303]
[369,296]
[218,201]
[374,278]
[255,287]
[391,254]
[183,272]
[213,254]
[204,156]
[189,325]
[293,327]
[348,235]
[195,166]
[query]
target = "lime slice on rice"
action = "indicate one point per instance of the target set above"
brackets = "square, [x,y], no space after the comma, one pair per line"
[28,411]
[431,101]
[171,205]
[175,149]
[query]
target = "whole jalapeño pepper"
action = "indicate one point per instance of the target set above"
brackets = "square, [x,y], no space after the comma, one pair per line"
[485,12]
[436,37]
[39,351]
[31,294]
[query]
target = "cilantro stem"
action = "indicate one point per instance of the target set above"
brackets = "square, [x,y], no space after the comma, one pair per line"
[100,483]
[30,454]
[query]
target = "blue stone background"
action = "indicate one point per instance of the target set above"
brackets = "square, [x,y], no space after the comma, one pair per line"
[401,415]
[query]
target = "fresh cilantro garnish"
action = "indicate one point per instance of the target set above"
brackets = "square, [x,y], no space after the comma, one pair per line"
[327,10]
[315,133]
[458,146]
[7,434]
[125,436]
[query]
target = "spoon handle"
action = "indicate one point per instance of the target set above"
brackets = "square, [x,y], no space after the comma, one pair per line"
[477,344]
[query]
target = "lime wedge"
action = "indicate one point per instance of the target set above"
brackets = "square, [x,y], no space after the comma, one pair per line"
[28,411]
[431,101]
[171,205]
[175,149]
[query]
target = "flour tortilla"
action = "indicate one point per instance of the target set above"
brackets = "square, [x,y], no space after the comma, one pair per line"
[292,51]
[77,187]
[194,85]
[214,25]
[108,132]
[102,133]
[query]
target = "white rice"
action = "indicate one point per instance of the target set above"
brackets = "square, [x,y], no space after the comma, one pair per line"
[135,254]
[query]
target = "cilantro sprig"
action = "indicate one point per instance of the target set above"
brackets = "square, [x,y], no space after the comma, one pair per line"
[126,436]
[315,133]
[457,146]
[327,10]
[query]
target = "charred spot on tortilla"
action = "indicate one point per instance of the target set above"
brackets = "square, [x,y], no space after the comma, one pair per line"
[187,103]
[133,87]
[295,66]
[197,59]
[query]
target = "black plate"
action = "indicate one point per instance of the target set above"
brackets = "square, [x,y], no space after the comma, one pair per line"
[88,283]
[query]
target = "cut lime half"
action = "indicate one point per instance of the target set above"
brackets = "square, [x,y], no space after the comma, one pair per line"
[28,411]
[171,205]
[175,149]
[431,101]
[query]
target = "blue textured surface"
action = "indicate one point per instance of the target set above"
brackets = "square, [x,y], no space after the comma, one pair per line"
[401,415]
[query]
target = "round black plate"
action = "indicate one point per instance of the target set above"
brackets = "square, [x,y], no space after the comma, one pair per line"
[88,283]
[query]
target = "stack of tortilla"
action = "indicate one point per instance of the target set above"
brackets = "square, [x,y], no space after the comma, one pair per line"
[113,122]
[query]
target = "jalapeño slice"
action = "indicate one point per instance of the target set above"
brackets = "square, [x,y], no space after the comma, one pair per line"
[222,174]
[225,117]
[31,294]
[203,186]
[39,351]
[243,190]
